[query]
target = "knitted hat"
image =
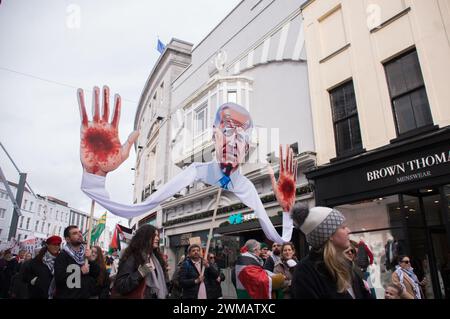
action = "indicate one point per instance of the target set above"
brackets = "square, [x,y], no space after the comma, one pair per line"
[317,223]
[264,245]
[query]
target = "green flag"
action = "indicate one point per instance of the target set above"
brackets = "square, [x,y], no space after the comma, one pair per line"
[98,230]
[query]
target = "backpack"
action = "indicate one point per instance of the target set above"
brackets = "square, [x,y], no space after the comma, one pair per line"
[362,258]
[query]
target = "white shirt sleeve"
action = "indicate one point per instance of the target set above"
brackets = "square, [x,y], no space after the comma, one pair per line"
[94,187]
[247,193]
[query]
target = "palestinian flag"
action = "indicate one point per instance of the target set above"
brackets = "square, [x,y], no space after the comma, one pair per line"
[252,280]
[99,228]
[122,235]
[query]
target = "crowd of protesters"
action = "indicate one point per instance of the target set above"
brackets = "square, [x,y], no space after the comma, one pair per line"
[68,269]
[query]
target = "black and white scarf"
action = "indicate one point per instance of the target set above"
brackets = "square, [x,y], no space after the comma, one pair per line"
[49,261]
[78,256]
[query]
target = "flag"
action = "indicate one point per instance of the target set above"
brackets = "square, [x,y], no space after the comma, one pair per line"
[160,46]
[252,281]
[98,230]
[122,235]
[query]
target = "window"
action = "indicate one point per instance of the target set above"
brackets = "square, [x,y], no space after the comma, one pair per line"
[24,204]
[408,96]
[36,226]
[60,230]
[1,230]
[39,209]
[21,222]
[56,215]
[18,237]
[345,120]
[2,212]
[201,119]
[31,206]
[28,223]
[42,227]
[3,195]
[232,96]
[26,236]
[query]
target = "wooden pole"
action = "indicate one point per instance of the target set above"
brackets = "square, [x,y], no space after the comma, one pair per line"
[91,218]
[208,243]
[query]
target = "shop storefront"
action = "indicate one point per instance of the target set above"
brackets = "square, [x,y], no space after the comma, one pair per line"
[396,200]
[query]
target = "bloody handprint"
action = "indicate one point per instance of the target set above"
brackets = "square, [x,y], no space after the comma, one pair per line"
[100,148]
[285,188]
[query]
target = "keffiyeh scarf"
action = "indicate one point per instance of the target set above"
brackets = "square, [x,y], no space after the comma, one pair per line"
[78,256]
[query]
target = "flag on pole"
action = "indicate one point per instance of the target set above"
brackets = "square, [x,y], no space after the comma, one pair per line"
[160,46]
[122,236]
[98,230]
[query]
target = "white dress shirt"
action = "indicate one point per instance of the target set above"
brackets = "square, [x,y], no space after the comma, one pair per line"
[209,173]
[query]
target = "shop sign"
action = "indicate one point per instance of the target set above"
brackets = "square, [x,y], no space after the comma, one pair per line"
[409,170]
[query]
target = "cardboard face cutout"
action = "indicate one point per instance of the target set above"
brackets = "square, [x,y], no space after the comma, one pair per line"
[232,131]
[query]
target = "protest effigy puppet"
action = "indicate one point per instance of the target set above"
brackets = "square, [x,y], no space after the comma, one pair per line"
[102,152]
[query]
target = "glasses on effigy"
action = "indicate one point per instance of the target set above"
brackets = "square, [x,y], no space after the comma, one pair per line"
[241,134]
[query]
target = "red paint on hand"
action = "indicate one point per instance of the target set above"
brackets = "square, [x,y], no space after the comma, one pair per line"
[286,187]
[100,143]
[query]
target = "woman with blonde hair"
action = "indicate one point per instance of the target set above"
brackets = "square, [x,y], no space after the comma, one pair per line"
[325,272]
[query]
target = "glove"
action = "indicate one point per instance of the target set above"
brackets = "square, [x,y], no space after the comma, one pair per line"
[144,270]
[33,281]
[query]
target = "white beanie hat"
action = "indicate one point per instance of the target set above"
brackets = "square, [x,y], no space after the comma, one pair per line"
[317,223]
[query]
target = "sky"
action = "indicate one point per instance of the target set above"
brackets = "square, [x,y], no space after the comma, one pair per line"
[50,48]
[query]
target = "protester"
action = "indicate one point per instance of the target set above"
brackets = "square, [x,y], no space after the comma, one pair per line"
[18,288]
[252,280]
[39,272]
[10,268]
[392,292]
[286,267]
[28,256]
[405,277]
[192,275]
[213,284]
[176,291]
[102,287]
[264,252]
[142,272]
[325,272]
[75,278]
[274,258]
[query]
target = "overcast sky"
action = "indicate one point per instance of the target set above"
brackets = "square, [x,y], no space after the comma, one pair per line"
[49,48]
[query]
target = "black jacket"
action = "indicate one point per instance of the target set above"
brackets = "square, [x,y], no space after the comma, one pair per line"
[87,282]
[35,268]
[311,280]
[212,285]
[128,278]
[188,275]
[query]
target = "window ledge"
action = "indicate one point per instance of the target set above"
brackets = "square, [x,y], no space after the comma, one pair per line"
[348,154]
[414,133]
[390,20]
[325,59]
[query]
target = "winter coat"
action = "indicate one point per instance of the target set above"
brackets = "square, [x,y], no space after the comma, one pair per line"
[19,289]
[188,275]
[312,280]
[87,282]
[408,292]
[213,286]
[128,279]
[36,268]
[288,272]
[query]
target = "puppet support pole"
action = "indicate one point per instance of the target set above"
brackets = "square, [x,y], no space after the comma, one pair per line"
[90,222]
[208,243]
